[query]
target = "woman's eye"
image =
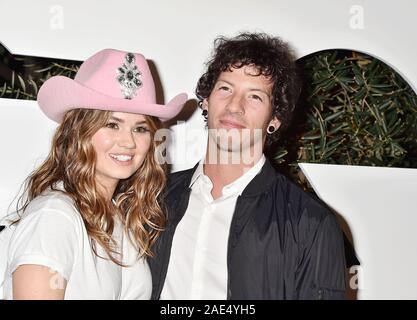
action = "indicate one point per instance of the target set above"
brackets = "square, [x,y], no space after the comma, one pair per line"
[112,125]
[141,129]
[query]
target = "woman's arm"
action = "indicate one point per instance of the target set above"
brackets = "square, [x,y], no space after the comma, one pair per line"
[35,282]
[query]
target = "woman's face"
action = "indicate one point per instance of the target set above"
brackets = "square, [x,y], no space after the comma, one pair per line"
[120,146]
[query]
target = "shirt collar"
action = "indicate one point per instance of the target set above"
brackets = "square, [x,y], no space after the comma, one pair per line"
[239,184]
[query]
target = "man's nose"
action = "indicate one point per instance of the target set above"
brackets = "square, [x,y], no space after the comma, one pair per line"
[236,104]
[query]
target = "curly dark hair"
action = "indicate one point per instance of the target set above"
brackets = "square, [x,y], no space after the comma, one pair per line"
[272,57]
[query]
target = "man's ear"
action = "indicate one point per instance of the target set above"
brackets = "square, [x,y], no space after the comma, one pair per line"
[204,105]
[275,122]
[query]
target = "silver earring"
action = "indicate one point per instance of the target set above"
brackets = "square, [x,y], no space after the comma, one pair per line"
[270,130]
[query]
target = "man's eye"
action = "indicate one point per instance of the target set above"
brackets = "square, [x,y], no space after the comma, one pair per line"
[112,125]
[224,88]
[256,97]
[141,129]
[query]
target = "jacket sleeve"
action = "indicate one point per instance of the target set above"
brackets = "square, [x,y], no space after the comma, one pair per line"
[322,268]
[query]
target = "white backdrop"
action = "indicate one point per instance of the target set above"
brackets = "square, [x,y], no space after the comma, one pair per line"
[177,36]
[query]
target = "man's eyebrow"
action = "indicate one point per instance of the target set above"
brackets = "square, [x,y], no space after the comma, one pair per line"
[260,90]
[250,89]
[222,80]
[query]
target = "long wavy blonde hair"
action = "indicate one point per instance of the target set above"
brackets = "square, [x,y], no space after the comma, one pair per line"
[72,161]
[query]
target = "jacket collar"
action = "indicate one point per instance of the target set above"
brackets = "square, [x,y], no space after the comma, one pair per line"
[259,184]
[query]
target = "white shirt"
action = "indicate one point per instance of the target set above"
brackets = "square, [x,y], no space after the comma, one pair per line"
[52,233]
[198,264]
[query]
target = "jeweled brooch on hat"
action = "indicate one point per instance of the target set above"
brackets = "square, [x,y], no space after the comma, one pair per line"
[128,77]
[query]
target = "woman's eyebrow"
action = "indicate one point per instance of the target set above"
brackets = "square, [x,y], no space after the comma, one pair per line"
[117,119]
[122,121]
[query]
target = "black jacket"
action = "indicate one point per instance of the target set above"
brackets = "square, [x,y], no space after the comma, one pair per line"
[283,243]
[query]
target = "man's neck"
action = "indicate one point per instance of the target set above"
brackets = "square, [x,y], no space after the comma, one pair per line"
[222,173]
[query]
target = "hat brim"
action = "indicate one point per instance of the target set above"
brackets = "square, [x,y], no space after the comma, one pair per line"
[60,94]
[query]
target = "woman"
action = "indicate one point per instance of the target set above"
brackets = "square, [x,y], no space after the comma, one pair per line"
[90,214]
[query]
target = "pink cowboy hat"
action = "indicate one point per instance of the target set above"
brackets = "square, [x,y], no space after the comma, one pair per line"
[110,80]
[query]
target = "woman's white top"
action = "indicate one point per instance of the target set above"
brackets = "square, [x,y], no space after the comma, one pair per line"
[52,233]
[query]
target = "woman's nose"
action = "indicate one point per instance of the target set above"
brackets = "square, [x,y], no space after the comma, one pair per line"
[127,140]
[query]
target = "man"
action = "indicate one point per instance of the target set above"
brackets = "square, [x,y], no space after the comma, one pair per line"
[236,228]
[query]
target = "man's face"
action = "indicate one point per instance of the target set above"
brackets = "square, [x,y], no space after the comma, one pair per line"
[239,108]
